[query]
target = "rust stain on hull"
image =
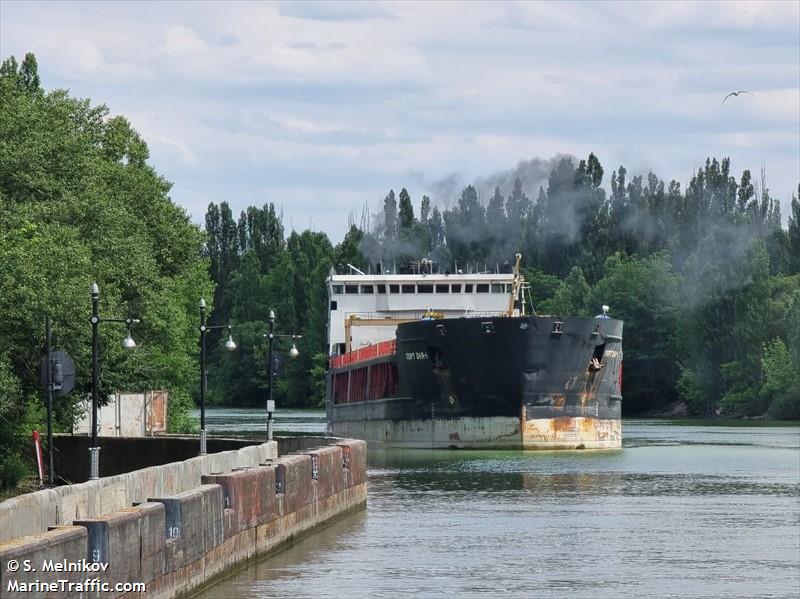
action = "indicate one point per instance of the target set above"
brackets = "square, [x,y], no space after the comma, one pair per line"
[571,433]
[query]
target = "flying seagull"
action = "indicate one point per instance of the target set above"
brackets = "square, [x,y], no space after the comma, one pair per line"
[736,93]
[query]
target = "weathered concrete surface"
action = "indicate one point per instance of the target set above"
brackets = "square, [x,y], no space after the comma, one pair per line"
[68,542]
[303,443]
[256,542]
[194,524]
[180,542]
[33,513]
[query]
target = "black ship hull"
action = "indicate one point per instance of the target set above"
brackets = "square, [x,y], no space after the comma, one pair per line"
[498,382]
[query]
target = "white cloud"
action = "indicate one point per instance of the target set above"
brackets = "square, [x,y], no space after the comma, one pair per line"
[321,106]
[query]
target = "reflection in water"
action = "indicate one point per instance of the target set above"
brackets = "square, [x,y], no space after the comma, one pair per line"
[680,511]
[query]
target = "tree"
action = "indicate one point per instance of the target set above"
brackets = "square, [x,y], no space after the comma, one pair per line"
[465,227]
[794,233]
[425,210]
[643,292]
[406,211]
[781,389]
[390,216]
[29,74]
[348,251]
[80,203]
[497,226]
[570,298]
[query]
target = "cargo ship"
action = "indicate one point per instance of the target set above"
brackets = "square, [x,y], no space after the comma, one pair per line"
[453,360]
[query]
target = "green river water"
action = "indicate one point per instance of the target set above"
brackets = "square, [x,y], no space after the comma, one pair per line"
[681,511]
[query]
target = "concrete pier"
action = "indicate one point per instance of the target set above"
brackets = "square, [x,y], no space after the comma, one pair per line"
[176,527]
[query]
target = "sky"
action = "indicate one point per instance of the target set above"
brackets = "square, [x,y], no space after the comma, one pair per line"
[323,107]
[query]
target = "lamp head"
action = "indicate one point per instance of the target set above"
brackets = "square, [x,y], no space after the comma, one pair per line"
[95,290]
[293,353]
[272,315]
[202,303]
[128,342]
[230,345]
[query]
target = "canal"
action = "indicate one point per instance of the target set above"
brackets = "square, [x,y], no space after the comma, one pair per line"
[681,511]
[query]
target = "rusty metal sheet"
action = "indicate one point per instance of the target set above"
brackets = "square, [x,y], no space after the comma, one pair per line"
[157,411]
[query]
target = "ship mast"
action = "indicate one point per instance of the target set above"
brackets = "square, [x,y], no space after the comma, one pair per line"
[516,290]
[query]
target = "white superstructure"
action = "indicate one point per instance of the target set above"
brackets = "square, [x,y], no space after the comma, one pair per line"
[359,302]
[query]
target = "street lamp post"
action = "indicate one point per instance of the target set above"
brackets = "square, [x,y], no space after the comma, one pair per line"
[293,353]
[229,345]
[94,450]
[271,365]
[128,343]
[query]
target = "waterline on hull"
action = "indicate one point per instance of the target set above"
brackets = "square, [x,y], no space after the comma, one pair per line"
[495,432]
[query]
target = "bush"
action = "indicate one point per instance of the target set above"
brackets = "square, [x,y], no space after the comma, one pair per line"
[781,389]
[180,418]
[12,471]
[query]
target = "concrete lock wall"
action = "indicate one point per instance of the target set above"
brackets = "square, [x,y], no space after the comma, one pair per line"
[176,542]
[34,513]
[126,454]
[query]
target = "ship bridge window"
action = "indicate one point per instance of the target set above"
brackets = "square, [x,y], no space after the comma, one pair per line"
[455,288]
[407,288]
[482,288]
[381,288]
[336,289]
[351,289]
[366,289]
[424,288]
[442,289]
[468,288]
[498,288]
[333,305]
[394,288]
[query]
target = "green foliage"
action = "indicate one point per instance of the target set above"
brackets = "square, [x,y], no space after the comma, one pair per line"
[542,287]
[318,370]
[79,203]
[781,390]
[406,211]
[179,415]
[726,291]
[288,280]
[570,297]
[12,470]
[644,293]
[693,388]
